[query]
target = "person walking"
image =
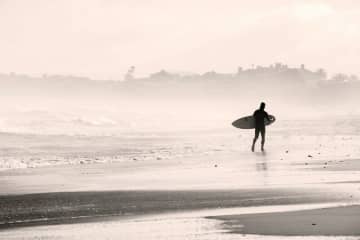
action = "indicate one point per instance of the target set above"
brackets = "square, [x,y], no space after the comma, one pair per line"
[259,116]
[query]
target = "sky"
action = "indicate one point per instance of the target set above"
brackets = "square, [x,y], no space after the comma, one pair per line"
[103,38]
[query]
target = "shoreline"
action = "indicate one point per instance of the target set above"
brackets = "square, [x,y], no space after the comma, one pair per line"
[333,221]
[72,207]
[225,179]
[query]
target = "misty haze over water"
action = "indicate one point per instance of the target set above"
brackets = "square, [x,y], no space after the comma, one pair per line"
[166,101]
[201,85]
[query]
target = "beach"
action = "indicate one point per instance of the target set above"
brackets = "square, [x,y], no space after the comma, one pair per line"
[335,221]
[203,185]
[136,119]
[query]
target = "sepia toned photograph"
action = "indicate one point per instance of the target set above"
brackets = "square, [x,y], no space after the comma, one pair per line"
[180,119]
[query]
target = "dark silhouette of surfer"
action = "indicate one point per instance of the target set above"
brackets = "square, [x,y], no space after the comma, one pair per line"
[259,116]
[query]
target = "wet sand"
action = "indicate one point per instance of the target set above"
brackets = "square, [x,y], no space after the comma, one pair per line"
[296,170]
[338,221]
[70,207]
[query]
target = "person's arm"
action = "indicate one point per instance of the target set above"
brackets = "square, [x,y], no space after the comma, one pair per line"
[267,116]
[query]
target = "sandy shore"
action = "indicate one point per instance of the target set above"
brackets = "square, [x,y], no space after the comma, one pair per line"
[69,207]
[293,171]
[338,221]
[80,193]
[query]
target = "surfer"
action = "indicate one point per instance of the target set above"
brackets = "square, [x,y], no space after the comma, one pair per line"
[260,115]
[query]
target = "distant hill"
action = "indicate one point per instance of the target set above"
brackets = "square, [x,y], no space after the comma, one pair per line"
[278,81]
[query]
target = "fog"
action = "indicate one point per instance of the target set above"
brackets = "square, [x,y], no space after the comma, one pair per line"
[170,102]
[220,59]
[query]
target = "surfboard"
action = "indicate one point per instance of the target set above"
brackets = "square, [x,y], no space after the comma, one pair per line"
[248,122]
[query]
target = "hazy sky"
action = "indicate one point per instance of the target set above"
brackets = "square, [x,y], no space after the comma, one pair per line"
[102,38]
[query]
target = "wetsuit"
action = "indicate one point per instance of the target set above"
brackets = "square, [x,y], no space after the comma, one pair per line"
[259,116]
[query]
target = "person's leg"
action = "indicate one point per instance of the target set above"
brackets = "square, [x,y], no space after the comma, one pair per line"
[255,138]
[262,139]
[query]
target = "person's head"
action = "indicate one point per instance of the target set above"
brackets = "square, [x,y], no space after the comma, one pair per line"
[262,106]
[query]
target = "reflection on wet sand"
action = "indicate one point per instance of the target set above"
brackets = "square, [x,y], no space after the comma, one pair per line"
[221,173]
